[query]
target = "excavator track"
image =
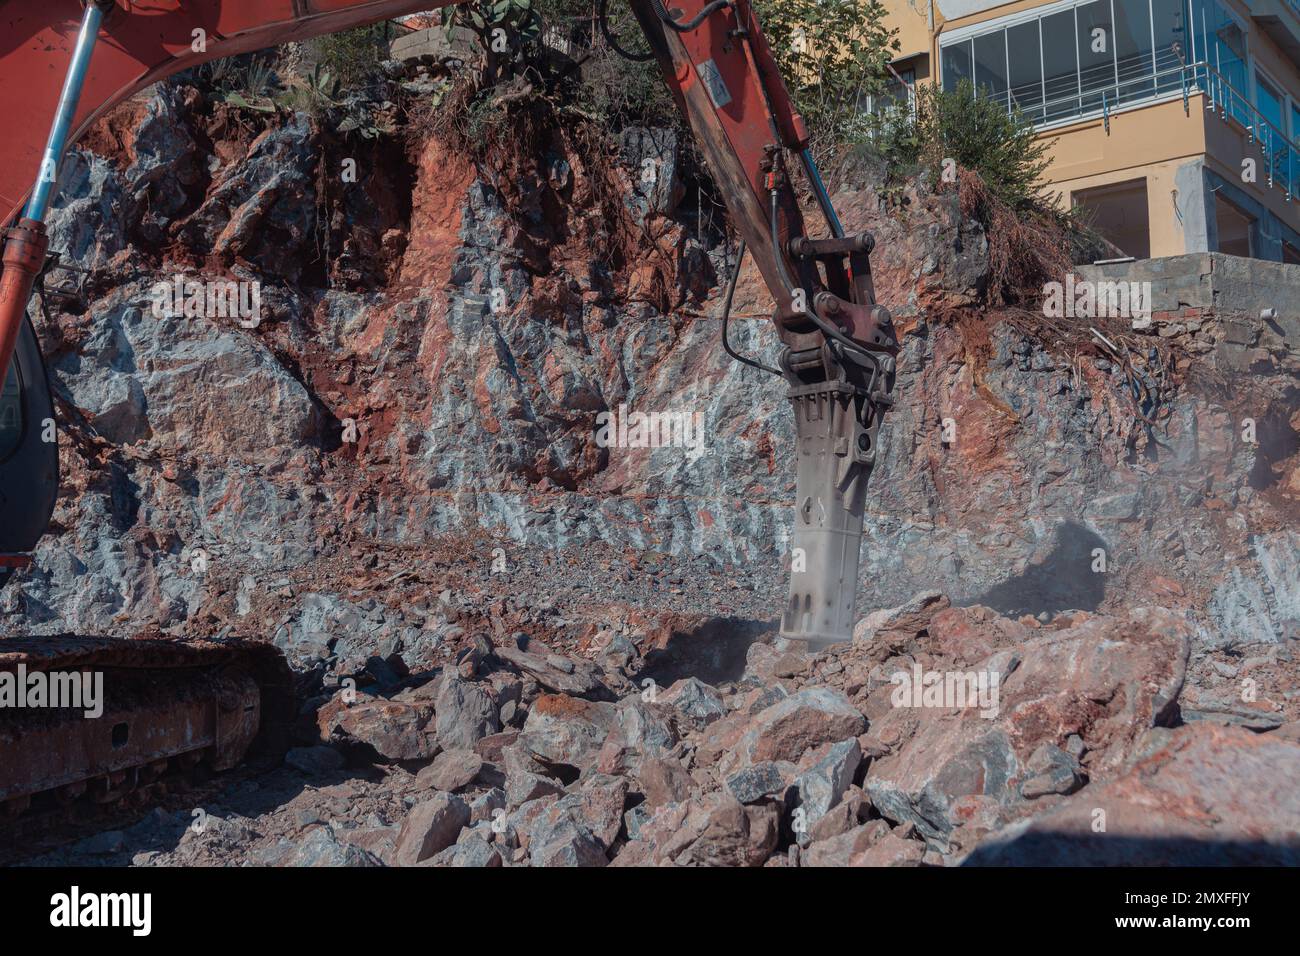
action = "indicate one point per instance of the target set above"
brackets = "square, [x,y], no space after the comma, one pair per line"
[99,721]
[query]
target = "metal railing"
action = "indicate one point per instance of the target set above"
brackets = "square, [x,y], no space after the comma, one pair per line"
[1279,153]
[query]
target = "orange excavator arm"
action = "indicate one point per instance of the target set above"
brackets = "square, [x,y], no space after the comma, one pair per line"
[64,63]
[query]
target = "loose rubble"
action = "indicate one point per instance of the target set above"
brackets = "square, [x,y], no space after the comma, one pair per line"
[807,770]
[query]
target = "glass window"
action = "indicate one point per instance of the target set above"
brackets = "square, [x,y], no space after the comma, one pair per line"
[991,65]
[900,95]
[1269,101]
[1025,70]
[897,103]
[1060,65]
[956,64]
[1221,43]
[1096,52]
[1134,62]
[1292,159]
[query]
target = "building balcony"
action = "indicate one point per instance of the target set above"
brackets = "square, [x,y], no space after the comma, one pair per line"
[1276,156]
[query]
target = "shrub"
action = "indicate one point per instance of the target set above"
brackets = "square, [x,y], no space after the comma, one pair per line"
[832,55]
[973,132]
[353,56]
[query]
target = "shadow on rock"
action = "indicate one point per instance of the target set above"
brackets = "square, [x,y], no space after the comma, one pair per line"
[715,652]
[1063,581]
[220,814]
[1099,849]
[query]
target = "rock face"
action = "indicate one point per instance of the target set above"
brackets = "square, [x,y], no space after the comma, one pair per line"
[453,380]
[520,645]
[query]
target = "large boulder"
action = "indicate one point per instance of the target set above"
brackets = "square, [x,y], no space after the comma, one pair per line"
[567,730]
[393,729]
[791,727]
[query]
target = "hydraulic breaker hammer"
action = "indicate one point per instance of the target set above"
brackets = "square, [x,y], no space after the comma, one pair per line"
[838,344]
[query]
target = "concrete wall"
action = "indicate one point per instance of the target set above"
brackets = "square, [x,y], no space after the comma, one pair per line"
[1216,304]
[1211,280]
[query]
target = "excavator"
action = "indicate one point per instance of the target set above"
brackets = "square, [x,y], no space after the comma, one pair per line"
[170,703]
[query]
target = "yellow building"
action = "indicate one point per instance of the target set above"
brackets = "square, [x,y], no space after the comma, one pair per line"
[1173,122]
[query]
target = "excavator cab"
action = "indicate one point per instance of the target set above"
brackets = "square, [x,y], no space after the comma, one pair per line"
[29,453]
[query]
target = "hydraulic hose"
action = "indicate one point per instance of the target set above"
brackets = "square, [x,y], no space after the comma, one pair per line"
[662,13]
[726,316]
[602,14]
[686,27]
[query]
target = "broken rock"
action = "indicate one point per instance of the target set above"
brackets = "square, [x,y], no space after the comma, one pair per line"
[822,784]
[639,730]
[1204,795]
[466,713]
[560,675]
[663,780]
[564,830]
[751,784]
[788,729]
[567,730]
[394,729]
[526,779]
[451,770]
[1054,771]
[319,848]
[1103,679]
[430,827]
[733,834]
[845,849]
[474,851]
[891,631]
[697,702]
